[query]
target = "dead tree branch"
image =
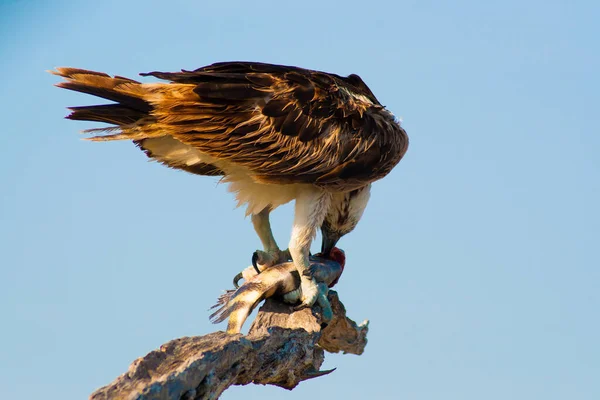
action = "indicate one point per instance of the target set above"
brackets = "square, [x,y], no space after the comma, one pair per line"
[282,348]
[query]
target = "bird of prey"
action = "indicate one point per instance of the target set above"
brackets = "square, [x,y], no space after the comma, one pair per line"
[274,133]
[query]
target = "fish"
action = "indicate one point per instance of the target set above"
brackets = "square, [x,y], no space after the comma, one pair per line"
[281,280]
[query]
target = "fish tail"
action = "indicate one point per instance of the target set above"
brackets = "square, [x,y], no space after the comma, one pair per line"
[237,305]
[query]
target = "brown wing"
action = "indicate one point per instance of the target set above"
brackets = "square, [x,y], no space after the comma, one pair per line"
[284,124]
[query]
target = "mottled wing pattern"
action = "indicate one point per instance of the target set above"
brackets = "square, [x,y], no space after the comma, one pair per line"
[283,124]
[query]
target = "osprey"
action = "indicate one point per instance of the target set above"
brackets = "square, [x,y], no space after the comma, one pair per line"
[274,133]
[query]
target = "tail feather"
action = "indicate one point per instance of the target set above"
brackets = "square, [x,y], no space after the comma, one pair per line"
[128,93]
[67,72]
[115,114]
[107,93]
[145,113]
[130,117]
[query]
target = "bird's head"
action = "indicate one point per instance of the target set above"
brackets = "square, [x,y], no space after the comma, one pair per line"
[344,213]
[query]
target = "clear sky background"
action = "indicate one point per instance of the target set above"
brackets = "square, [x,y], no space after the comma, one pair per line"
[477,260]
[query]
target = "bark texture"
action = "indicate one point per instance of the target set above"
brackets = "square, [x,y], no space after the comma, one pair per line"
[282,348]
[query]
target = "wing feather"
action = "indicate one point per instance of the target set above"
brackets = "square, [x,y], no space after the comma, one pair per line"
[283,124]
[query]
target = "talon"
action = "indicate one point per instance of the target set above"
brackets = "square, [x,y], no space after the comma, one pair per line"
[265,259]
[237,279]
[255,261]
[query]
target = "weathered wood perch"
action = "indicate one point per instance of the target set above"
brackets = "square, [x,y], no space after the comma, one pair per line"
[282,348]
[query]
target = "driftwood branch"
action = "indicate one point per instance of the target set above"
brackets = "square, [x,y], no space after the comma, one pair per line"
[282,348]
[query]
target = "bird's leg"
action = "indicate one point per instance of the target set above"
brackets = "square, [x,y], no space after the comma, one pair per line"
[311,208]
[271,254]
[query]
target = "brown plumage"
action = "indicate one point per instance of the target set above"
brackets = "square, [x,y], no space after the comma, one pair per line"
[283,124]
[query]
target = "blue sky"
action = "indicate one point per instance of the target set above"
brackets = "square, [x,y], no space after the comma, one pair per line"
[476,260]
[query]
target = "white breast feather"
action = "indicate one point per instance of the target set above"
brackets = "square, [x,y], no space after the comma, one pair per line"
[257,196]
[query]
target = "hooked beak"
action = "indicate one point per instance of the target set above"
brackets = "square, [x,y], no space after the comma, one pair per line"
[330,239]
